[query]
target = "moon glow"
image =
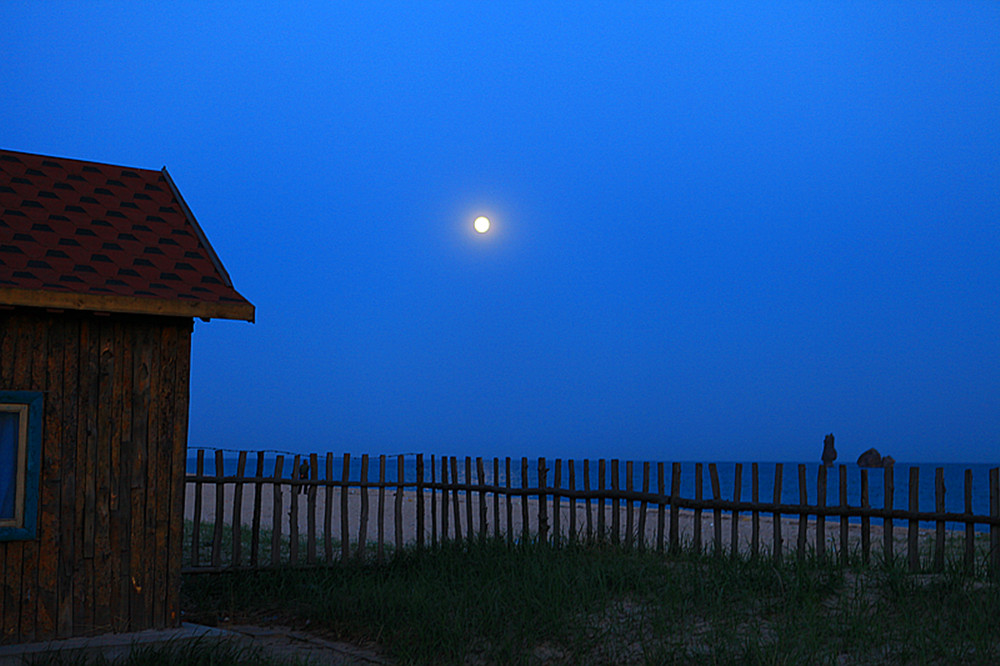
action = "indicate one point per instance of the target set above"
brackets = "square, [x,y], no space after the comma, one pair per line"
[482,224]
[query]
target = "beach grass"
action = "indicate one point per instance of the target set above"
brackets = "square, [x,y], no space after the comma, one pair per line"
[486,602]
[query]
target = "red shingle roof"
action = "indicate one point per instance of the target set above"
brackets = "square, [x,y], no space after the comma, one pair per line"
[89,236]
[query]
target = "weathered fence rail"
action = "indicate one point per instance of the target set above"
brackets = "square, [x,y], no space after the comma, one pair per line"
[429,508]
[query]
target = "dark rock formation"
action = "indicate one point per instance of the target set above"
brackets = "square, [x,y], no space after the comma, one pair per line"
[872,458]
[829,453]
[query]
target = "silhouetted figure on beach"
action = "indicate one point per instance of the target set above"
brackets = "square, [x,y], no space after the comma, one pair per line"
[303,474]
[829,453]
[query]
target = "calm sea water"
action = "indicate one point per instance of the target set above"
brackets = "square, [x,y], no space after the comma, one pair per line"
[954,478]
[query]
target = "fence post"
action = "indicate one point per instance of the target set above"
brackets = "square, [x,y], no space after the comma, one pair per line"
[713,473]
[662,508]
[543,519]
[480,472]
[939,508]
[496,499]
[844,534]
[470,533]
[887,533]
[556,518]
[313,488]
[734,536]
[345,535]
[327,510]
[258,487]
[912,545]
[456,504]
[970,528]
[803,516]
[220,504]
[616,503]
[525,530]
[241,468]
[400,488]
[776,521]
[420,501]
[601,519]
[196,531]
[675,489]
[699,483]
[509,502]
[572,502]
[995,529]
[293,516]
[866,521]
[363,527]
[821,481]
[444,498]
[629,521]
[380,539]
[587,502]
[279,462]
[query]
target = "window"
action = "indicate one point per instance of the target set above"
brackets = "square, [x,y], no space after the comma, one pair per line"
[20,449]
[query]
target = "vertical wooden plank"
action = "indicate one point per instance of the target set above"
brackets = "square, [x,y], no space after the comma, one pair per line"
[556,484]
[675,489]
[845,546]
[525,533]
[496,499]
[69,541]
[713,473]
[571,470]
[279,464]
[755,514]
[171,430]
[509,502]
[543,519]
[241,469]
[995,529]
[293,515]
[803,516]
[143,451]
[616,504]
[102,470]
[661,490]
[380,546]
[456,504]
[587,502]
[777,548]
[179,442]
[887,533]
[220,505]
[30,549]
[601,520]
[629,520]
[126,339]
[196,521]
[866,520]
[257,501]
[482,499]
[311,491]
[400,488]
[734,532]
[912,545]
[15,550]
[328,511]
[433,504]
[970,528]
[643,506]
[363,518]
[444,498]
[821,481]
[345,534]
[939,528]
[420,500]
[49,532]
[469,531]
[84,597]
[699,482]
[7,328]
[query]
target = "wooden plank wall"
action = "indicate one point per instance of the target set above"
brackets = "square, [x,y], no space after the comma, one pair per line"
[114,437]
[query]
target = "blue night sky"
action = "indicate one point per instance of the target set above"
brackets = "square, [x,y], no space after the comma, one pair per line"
[721,230]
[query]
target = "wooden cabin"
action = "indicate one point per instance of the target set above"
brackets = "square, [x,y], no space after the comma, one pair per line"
[102,271]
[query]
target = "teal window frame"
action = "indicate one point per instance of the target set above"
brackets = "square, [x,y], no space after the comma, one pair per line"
[28,405]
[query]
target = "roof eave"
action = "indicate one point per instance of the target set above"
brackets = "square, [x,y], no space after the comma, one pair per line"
[38,298]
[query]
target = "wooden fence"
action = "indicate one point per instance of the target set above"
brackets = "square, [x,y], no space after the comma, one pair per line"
[328,518]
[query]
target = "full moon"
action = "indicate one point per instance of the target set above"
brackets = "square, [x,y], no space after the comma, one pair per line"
[482,224]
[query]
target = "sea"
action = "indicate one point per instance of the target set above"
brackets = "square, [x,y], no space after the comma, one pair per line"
[954,478]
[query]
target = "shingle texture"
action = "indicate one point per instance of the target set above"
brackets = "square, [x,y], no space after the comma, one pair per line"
[68,226]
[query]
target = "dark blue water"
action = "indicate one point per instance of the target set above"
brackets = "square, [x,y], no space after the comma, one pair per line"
[954,478]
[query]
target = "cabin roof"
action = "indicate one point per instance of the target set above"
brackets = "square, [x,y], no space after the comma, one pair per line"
[90,236]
